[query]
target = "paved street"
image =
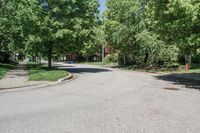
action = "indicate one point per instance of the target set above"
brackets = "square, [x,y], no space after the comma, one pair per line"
[103,100]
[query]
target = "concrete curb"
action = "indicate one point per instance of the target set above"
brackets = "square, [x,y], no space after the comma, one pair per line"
[66,78]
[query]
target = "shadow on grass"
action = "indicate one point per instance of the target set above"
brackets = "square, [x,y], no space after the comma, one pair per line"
[191,80]
[4,68]
[37,68]
[40,72]
[8,66]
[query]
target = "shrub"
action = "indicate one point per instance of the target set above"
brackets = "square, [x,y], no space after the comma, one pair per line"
[111,58]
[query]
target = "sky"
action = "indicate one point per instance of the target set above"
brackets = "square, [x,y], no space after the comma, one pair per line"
[102,3]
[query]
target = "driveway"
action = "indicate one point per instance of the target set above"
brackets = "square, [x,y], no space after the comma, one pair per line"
[102,100]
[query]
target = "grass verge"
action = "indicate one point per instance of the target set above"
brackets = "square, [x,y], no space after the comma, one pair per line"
[179,70]
[37,72]
[4,68]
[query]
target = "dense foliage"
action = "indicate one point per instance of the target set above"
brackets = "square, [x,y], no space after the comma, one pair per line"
[153,32]
[141,32]
[40,27]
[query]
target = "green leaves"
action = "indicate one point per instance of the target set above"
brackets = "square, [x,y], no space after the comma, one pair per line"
[177,23]
[62,24]
[125,23]
[149,32]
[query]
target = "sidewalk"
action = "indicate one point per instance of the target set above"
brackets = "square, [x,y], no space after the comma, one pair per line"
[17,78]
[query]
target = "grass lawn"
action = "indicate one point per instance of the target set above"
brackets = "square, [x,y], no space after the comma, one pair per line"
[38,72]
[180,69]
[4,68]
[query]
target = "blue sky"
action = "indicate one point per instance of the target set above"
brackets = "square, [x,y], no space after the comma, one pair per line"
[102,3]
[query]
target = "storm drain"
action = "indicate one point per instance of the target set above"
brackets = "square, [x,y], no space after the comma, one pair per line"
[172,89]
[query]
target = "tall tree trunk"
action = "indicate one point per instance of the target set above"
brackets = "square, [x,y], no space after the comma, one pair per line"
[87,59]
[188,59]
[33,58]
[66,57]
[146,58]
[50,49]
[124,59]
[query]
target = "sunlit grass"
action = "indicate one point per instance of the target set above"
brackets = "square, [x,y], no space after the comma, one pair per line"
[4,68]
[181,69]
[38,72]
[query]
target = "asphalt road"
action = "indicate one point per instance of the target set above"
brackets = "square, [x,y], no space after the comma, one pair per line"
[103,100]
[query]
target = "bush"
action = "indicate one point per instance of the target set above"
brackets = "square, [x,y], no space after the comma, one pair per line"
[169,55]
[111,58]
[196,57]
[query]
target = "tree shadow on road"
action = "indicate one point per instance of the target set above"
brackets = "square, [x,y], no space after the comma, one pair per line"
[74,69]
[182,79]
[62,66]
[84,70]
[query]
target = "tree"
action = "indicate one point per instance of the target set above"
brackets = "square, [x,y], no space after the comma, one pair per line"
[128,28]
[57,25]
[177,22]
[122,24]
[7,28]
[145,30]
[96,44]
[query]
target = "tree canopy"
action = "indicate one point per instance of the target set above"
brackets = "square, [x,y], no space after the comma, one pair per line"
[47,26]
[151,32]
[142,32]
